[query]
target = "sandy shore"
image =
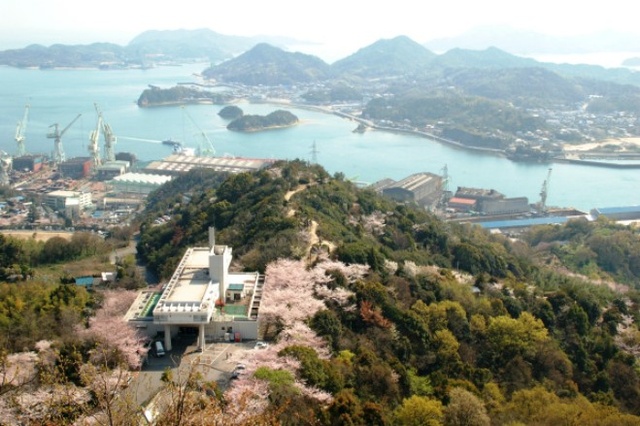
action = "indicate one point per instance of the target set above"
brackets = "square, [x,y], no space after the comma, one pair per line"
[622,144]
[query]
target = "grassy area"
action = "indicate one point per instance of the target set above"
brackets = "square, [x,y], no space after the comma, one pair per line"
[83,267]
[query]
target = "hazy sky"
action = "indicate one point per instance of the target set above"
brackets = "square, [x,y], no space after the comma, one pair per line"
[344,24]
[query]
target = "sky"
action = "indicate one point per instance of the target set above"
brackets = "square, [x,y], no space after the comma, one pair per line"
[341,25]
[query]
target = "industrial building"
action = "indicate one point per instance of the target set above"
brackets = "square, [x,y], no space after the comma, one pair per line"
[617,213]
[28,163]
[76,168]
[179,164]
[420,188]
[112,169]
[488,201]
[513,205]
[70,202]
[463,204]
[137,184]
[204,295]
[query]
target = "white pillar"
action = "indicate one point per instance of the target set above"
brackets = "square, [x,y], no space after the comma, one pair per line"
[202,340]
[167,337]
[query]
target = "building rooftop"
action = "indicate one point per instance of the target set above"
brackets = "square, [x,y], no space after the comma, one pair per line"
[193,292]
[142,178]
[414,181]
[64,193]
[177,164]
[190,288]
[523,223]
[460,200]
[616,210]
[477,192]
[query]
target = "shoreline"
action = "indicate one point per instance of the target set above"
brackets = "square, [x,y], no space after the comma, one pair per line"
[586,148]
[570,151]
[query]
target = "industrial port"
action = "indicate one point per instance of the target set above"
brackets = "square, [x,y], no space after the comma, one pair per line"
[95,192]
[106,188]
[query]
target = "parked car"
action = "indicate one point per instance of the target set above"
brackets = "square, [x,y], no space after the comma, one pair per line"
[158,349]
[261,345]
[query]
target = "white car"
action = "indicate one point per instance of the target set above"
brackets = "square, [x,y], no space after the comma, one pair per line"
[261,345]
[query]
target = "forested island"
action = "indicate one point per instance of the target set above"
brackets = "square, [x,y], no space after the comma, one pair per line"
[179,95]
[231,112]
[254,123]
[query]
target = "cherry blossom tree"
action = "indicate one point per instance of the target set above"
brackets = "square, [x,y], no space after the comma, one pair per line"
[293,293]
[116,340]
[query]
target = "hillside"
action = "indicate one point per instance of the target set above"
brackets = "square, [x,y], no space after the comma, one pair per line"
[385,58]
[147,49]
[269,65]
[375,313]
[411,312]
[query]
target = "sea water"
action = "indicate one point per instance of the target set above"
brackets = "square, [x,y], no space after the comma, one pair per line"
[58,96]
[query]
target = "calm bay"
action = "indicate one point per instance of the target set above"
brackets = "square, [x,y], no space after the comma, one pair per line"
[58,96]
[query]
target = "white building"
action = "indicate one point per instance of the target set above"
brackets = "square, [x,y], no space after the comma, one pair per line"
[203,294]
[68,201]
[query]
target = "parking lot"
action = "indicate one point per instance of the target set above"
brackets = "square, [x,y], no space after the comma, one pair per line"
[216,363]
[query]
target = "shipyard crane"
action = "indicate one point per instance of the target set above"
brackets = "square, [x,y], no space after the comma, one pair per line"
[205,147]
[110,139]
[544,192]
[58,152]
[94,137]
[20,132]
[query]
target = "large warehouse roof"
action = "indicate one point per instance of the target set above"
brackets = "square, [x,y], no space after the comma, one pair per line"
[142,178]
[177,164]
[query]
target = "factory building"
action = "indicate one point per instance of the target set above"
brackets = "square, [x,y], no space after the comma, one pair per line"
[463,204]
[513,205]
[490,201]
[111,169]
[137,184]
[617,213]
[180,164]
[76,168]
[420,188]
[28,163]
[202,294]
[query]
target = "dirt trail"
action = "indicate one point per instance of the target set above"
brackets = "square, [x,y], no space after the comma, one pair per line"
[314,239]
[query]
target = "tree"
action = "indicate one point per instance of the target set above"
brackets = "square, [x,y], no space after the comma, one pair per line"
[116,341]
[465,409]
[419,411]
[508,337]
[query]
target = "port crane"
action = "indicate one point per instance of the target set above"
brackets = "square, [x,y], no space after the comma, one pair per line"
[58,152]
[205,147]
[544,192]
[110,139]
[94,137]
[20,132]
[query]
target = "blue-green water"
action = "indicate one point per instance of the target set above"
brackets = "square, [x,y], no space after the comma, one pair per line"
[57,96]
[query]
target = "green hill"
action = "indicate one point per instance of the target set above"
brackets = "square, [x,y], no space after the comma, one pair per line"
[447,316]
[399,56]
[269,65]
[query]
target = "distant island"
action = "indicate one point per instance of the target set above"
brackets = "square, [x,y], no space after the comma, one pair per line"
[231,112]
[179,95]
[253,123]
